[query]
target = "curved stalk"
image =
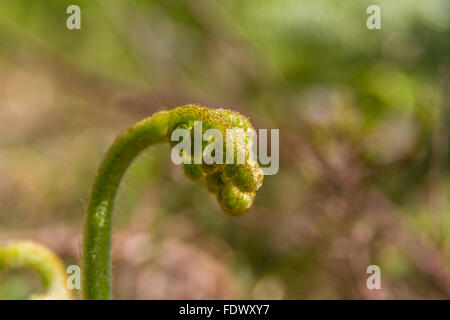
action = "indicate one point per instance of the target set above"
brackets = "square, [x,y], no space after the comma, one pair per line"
[234,184]
[39,258]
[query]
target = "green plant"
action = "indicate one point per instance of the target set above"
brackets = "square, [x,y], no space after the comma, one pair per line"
[234,184]
[16,254]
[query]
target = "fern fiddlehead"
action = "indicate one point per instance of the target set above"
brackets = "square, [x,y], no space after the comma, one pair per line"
[233,184]
[30,254]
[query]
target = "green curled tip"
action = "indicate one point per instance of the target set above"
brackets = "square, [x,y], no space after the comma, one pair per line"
[24,253]
[234,184]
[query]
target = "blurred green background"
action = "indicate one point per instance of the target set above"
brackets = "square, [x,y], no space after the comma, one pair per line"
[364,139]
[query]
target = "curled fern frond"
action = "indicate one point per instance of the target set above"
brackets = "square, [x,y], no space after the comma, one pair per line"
[24,253]
[234,184]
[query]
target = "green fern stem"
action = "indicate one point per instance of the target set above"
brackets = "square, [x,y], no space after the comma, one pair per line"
[234,184]
[24,253]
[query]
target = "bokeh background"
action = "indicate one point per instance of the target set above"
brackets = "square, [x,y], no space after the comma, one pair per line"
[364,139]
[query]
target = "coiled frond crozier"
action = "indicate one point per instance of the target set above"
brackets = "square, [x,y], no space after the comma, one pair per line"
[233,184]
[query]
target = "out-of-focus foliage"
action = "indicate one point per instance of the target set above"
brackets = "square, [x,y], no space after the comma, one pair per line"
[364,137]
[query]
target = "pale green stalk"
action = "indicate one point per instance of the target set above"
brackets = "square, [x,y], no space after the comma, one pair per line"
[16,254]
